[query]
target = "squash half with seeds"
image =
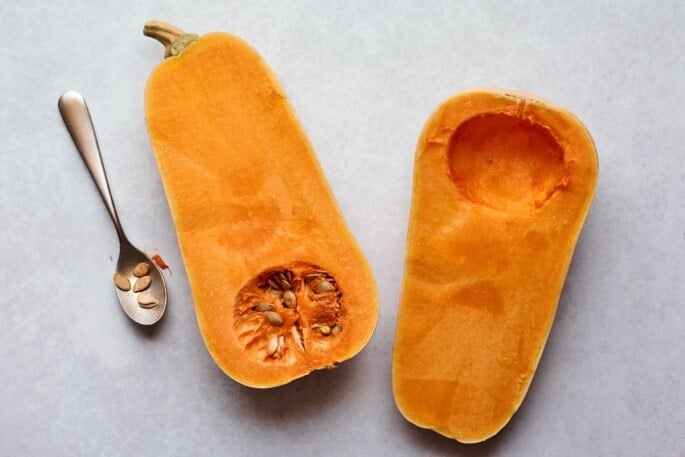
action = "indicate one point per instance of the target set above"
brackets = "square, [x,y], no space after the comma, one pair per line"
[280,286]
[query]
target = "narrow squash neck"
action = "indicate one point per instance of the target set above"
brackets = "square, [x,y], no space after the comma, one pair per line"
[172,38]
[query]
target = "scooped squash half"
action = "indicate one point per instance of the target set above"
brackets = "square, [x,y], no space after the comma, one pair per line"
[502,184]
[280,286]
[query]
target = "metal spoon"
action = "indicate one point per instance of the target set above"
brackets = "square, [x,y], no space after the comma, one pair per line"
[76,117]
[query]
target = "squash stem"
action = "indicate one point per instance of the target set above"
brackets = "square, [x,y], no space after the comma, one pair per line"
[172,38]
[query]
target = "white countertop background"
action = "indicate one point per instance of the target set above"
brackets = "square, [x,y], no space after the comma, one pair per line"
[78,379]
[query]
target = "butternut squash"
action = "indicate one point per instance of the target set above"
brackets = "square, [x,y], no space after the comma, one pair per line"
[502,184]
[280,286]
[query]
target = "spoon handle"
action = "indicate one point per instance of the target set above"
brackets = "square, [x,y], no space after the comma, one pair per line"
[77,118]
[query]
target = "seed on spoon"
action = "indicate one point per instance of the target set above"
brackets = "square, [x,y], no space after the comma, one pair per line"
[142,284]
[146,300]
[141,269]
[122,282]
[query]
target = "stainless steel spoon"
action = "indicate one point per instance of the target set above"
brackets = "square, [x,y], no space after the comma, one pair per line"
[76,117]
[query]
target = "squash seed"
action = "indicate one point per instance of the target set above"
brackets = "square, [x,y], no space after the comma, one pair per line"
[141,269]
[311,277]
[272,346]
[289,299]
[280,280]
[142,284]
[146,300]
[325,330]
[323,287]
[277,293]
[281,341]
[122,282]
[264,307]
[274,318]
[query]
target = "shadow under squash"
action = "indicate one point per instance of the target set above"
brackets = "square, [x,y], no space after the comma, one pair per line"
[303,398]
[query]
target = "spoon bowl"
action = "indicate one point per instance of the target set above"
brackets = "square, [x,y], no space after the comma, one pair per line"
[129,257]
[145,306]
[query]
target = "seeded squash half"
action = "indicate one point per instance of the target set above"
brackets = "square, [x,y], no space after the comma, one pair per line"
[280,286]
[502,184]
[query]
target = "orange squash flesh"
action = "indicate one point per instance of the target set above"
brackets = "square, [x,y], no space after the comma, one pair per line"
[249,200]
[502,184]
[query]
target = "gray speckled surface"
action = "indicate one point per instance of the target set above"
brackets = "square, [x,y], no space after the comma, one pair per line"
[77,378]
